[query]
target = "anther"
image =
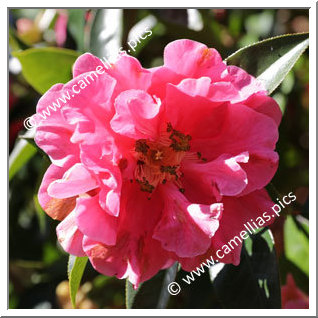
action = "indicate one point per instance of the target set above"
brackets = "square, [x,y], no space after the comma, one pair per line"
[141,146]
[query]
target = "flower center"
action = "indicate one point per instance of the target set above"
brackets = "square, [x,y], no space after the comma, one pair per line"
[159,161]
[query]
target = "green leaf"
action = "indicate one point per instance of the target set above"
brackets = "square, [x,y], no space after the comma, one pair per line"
[20,155]
[271,60]
[296,244]
[301,279]
[75,25]
[169,277]
[14,41]
[40,214]
[152,293]
[76,267]
[44,67]
[105,35]
[254,283]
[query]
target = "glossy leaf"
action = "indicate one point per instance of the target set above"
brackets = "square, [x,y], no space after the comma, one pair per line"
[44,67]
[14,41]
[76,267]
[75,25]
[105,36]
[21,154]
[153,292]
[301,279]
[29,137]
[271,60]
[296,244]
[169,277]
[40,214]
[254,283]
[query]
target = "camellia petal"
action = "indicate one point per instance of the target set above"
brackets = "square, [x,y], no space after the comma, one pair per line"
[57,209]
[192,225]
[137,115]
[156,166]
[94,222]
[222,176]
[76,180]
[69,235]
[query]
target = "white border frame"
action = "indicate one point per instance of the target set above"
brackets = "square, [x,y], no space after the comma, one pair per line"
[312,166]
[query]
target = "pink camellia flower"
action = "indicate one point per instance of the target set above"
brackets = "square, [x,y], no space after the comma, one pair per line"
[154,166]
[292,296]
